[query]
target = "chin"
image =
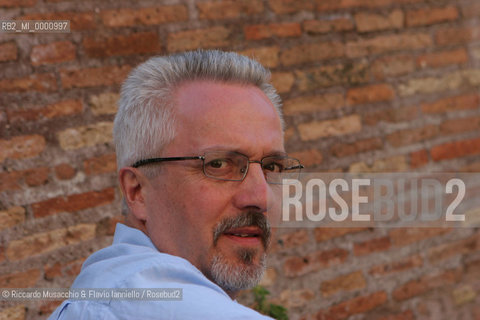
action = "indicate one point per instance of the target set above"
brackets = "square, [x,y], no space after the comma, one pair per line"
[243,271]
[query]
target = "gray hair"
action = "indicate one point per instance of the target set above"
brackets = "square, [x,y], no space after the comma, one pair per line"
[145,121]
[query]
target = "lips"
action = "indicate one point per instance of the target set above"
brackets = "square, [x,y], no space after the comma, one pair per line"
[247,228]
[245,236]
[245,232]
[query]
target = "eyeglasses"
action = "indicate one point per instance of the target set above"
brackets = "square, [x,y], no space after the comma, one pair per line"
[233,166]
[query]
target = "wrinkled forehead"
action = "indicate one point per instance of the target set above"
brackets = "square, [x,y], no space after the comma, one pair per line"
[210,112]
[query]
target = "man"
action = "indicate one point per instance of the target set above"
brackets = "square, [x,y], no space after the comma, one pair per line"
[196,135]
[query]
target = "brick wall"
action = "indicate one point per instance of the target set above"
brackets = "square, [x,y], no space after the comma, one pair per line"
[368,85]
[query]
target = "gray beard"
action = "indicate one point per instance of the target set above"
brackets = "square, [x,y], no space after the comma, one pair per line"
[238,275]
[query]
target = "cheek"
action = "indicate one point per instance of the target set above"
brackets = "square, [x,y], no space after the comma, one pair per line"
[212,200]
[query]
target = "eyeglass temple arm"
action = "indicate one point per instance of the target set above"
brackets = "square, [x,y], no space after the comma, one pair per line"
[155,160]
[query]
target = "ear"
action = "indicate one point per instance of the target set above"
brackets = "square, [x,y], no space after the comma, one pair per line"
[133,184]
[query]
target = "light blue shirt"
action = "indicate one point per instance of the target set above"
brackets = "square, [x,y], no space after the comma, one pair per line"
[132,261]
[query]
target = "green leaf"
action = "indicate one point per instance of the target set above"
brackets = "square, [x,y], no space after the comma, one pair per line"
[273,310]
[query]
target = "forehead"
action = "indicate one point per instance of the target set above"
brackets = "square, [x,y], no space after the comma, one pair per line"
[234,116]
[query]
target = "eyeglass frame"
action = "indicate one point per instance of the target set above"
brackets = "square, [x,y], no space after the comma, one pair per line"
[202,157]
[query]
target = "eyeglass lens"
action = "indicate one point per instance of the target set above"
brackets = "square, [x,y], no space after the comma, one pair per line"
[233,166]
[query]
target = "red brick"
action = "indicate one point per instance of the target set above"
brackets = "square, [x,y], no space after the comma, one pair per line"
[8,51]
[457,35]
[397,266]
[229,9]
[457,149]
[10,180]
[425,284]
[370,94]
[38,243]
[36,177]
[391,115]
[289,133]
[52,272]
[78,20]
[85,136]
[418,159]
[291,240]
[316,261]
[267,56]
[32,177]
[59,109]
[368,22]
[295,298]
[473,267]
[428,16]
[443,58]
[340,74]
[17,3]
[199,38]
[265,31]
[463,102]
[283,81]
[410,136]
[406,315]
[387,43]
[42,82]
[290,6]
[70,268]
[64,171]
[471,10]
[406,236]
[93,77]
[103,164]
[2,254]
[310,104]
[436,84]
[18,312]
[54,52]
[24,279]
[144,16]
[106,226]
[460,247]
[348,149]
[136,43]
[21,147]
[324,234]
[327,26]
[349,282]
[471,167]
[309,157]
[311,52]
[11,217]
[73,203]
[353,306]
[460,125]
[390,164]
[392,66]
[371,246]
[328,128]
[329,5]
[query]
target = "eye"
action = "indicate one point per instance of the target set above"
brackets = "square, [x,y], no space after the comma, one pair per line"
[217,163]
[273,166]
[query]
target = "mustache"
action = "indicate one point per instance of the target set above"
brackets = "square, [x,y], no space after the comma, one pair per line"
[245,219]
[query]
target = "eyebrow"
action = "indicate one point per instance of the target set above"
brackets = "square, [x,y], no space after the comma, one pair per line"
[224,148]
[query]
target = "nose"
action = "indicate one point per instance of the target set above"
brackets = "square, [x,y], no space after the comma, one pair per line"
[253,191]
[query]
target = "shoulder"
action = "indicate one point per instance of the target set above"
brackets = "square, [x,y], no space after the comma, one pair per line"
[203,307]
